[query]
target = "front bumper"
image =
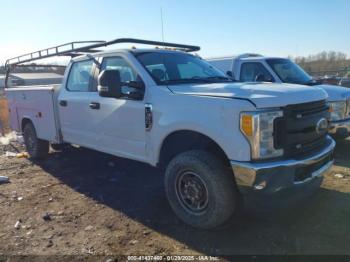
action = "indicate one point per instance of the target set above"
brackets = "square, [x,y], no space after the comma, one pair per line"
[275,176]
[340,128]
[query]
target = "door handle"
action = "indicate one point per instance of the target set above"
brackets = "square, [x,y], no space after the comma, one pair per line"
[63,103]
[94,105]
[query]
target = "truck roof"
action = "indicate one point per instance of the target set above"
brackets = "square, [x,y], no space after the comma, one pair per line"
[248,56]
[262,58]
[127,50]
[138,51]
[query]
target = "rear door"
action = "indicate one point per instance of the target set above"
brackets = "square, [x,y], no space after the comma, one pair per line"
[74,104]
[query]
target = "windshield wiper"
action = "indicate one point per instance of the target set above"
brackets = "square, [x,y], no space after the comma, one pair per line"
[313,82]
[220,78]
[186,80]
[210,79]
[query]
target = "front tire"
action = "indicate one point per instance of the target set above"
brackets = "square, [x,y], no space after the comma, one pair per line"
[36,148]
[201,189]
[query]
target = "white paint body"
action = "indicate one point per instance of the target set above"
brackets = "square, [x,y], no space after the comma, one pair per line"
[234,64]
[118,127]
[37,104]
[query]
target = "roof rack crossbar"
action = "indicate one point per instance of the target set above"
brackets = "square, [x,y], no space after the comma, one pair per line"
[187,48]
[51,52]
[41,65]
[72,49]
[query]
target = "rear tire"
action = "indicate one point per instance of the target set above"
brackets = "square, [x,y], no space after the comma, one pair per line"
[36,148]
[201,189]
[59,147]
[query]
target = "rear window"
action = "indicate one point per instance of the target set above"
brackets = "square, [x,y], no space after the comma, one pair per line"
[80,76]
[250,71]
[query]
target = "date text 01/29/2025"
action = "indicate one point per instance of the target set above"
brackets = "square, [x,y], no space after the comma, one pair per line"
[172,258]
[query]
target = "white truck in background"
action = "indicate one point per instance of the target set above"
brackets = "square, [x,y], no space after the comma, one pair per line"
[258,68]
[217,139]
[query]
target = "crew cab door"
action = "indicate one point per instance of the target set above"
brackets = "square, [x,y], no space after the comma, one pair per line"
[119,123]
[73,104]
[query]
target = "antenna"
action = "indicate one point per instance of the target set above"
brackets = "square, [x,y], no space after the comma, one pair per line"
[162,22]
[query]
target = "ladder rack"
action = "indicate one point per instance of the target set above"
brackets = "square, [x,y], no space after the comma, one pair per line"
[72,49]
[60,50]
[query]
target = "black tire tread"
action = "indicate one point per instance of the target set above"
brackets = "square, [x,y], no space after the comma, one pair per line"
[59,147]
[220,178]
[41,148]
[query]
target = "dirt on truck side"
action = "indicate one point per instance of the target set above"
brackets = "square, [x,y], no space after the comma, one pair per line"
[82,202]
[4,116]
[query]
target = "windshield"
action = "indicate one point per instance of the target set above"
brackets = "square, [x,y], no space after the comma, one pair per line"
[289,72]
[168,68]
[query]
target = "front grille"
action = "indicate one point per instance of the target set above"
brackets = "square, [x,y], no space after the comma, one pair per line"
[296,131]
[307,108]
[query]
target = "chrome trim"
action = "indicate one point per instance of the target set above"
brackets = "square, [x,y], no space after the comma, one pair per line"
[148,116]
[341,124]
[322,126]
[246,172]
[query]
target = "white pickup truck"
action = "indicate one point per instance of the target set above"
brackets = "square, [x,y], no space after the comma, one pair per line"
[257,68]
[217,140]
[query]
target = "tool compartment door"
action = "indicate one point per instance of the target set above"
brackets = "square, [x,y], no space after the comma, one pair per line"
[37,105]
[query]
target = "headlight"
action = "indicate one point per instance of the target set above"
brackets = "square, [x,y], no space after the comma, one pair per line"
[258,128]
[338,110]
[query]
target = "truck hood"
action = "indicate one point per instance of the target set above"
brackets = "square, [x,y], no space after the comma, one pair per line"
[263,95]
[336,93]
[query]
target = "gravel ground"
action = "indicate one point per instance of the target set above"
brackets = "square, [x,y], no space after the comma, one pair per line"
[81,202]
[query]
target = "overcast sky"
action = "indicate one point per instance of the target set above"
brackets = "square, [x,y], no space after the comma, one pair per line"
[221,27]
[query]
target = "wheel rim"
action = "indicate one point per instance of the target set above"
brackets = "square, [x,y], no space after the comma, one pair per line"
[192,192]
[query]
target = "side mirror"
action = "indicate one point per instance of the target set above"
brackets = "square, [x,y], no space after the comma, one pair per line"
[109,84]
[132,92]
[136,84]
[230,74]
[262,78]
[133,89]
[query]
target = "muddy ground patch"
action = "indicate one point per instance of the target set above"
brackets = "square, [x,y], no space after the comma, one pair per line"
[84,202]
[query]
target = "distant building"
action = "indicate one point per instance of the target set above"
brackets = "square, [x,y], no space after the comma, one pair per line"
[29,79]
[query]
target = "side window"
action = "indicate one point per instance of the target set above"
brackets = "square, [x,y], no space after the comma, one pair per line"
[80,76]
[252,72]
[127,73]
